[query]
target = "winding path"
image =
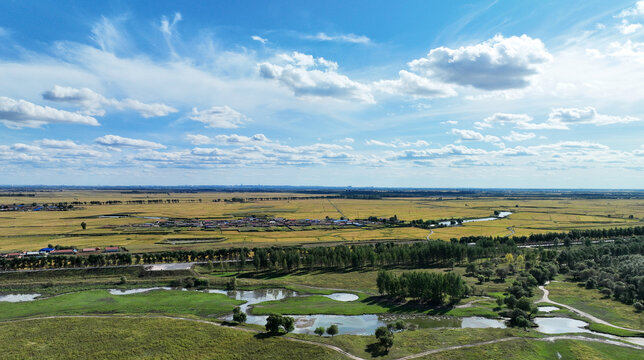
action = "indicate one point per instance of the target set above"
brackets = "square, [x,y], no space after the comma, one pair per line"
[332,347]
[430,234]
[545,299]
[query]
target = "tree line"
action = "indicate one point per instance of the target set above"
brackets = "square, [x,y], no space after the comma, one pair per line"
[428,287]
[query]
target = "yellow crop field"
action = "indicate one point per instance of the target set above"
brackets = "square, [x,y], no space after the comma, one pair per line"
[29,230]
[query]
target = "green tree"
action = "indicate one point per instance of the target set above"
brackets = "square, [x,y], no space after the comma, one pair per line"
[84,225]
[385,337]
[275,323]
[332,330]
[319,330]
[239,316]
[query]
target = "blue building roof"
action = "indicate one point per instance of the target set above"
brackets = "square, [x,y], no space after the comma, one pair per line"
[47,249]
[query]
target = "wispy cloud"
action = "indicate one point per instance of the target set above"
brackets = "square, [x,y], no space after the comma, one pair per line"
[348,38]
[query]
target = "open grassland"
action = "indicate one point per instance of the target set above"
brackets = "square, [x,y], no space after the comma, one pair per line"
[33,230]
[525,349]
[411,342]
[174,302]
[113,338]
[594,303]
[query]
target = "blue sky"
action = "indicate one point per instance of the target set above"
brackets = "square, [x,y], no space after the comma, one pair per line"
[364,93]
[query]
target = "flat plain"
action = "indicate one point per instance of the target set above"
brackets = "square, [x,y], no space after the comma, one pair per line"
[32,230]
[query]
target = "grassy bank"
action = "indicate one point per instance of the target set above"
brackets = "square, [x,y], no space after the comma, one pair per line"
[101,302]
[524,349]
[594,303]
[142,339]
[412,342]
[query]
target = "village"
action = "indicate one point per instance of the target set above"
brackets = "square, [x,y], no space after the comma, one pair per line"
[52,251]
[258,222]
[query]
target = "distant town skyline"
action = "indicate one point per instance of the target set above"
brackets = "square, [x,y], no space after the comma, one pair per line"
[428,94]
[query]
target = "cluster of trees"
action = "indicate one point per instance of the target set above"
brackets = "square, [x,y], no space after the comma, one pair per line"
[421,254]
[331,330]
[276,324]
[616,269]
[427,287]
[426,224]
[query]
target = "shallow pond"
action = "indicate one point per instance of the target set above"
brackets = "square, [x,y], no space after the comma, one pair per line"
[253,297]
[559,325]
[18,297]
[136,291]
[547,309]
[343,297]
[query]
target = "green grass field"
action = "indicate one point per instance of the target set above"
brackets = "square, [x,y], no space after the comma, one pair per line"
[411,342]
[114,338]
[594,303]
[525,349]
[173,302]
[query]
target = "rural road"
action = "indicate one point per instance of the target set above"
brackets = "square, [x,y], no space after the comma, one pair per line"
[336,208]
[545,299]
[335,348]
[430,234]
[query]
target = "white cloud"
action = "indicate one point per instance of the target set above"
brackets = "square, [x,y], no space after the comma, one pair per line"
[349,38]
[471,135]
[397,143]
[21,113]
[502,119]
[347,140]
[259,38]
[627,28]
[218,117]
[558,119]
[415,86]
[562,118]
[637,9]
[94,102]
[119,141]
[168,29]
[107,36]
[517,136]
[233,139]
[449,122]
[496,64]
[307,76]
[59,144]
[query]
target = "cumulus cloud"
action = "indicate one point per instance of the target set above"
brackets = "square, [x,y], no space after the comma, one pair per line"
[218,117]
[93,102]
[20,113]
[349,38]
[307,76]
[233,139]
[59,144]
[415,86]
[502,119]
[627,28]
[558,119]
[562,118]
[445,151]
[637,9]
[259,38]
[517,136]
[119,141]
[471,135]
[496,64]
[397,143]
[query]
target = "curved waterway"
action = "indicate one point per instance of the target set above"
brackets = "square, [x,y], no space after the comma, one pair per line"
[18,297]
